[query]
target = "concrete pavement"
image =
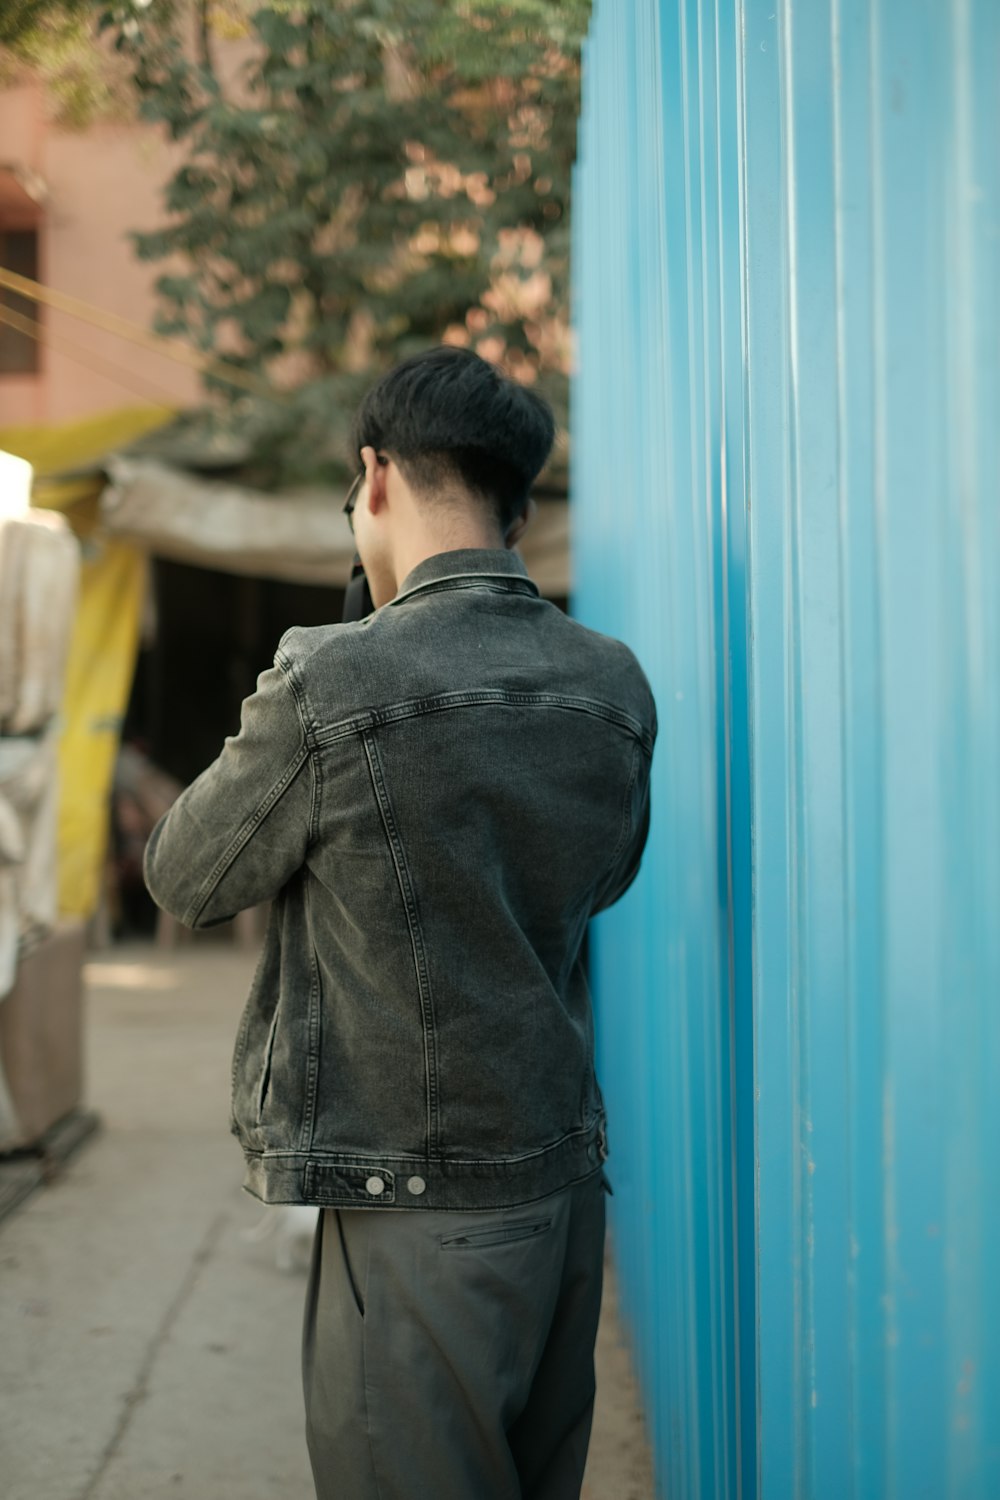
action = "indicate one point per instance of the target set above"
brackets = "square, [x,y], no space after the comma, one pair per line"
[149,1345]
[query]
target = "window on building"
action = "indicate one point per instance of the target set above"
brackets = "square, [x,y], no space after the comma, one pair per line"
[18,350]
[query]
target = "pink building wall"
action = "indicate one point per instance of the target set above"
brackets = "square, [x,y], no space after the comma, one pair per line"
[101,183]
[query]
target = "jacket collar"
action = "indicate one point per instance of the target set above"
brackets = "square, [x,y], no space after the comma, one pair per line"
[448,569]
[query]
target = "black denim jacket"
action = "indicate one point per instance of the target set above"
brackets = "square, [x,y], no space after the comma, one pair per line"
[437,798]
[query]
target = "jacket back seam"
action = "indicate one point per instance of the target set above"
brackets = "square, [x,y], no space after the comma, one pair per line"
[314,1032]
[440,702]
[416,939]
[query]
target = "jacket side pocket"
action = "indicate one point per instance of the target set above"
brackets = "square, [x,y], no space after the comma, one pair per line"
[265,1072]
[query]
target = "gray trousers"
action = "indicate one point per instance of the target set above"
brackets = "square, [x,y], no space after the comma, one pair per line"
[450,1356]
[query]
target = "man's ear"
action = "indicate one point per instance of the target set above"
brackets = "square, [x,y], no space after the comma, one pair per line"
[376,478]
[519,526]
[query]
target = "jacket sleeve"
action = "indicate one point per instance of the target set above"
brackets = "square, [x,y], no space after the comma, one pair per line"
[241,830]
[626,866]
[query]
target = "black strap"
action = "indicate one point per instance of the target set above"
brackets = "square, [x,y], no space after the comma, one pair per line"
[357,596]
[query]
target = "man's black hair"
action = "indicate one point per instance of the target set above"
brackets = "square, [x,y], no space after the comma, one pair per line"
[449,417]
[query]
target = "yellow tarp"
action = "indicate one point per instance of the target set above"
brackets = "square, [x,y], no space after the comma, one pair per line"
[102,656]
[67,458]
[98,682]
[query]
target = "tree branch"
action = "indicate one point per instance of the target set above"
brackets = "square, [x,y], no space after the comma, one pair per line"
[205,42]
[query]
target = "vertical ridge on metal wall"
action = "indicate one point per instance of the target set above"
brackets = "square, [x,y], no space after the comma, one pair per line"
[872,221]
[656,297]
[786,450]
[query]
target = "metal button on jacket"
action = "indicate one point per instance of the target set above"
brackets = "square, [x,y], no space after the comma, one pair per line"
[416,1186]
[375,1186]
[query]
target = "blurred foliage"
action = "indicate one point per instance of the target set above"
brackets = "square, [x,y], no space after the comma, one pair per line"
[53,42]
[377,176]
[19,18]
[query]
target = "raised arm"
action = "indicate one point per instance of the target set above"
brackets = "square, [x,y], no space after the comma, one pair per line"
[241,830]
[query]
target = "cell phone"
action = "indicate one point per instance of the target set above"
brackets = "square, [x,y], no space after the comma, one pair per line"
[357,596]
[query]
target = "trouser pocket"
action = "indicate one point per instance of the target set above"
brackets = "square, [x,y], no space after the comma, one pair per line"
[496,1234]
[353,1274]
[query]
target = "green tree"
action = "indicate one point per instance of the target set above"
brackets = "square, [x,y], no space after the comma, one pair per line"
[20,18]
[52,41]
[382,174]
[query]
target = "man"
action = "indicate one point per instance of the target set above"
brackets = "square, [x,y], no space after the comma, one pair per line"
[436,798]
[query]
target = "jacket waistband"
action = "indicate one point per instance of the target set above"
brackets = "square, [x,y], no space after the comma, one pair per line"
[342,1181]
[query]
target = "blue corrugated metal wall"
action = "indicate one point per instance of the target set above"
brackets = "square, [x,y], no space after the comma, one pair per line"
[786,491]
